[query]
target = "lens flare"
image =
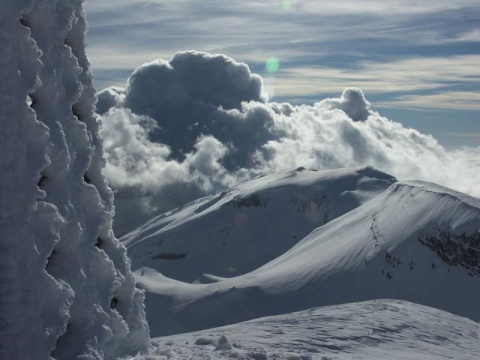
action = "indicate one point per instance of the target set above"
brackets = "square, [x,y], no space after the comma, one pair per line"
[272,65]
[286,4]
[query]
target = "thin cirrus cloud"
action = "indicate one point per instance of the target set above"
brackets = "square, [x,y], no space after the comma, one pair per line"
[461,100]
[199,123]
[252,30]
[397,76]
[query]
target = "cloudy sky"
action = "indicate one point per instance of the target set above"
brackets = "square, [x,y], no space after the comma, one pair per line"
[207,94]
[416,61]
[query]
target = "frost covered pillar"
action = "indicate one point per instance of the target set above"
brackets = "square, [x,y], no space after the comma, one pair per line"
[66,289]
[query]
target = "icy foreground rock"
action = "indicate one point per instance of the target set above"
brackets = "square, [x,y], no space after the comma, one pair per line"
[66,287]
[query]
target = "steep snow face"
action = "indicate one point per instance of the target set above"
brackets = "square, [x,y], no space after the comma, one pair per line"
[250,224]
[380,329]
[67,291]
[415,241]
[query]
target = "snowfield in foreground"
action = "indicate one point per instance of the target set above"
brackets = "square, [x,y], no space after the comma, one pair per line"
[380,329]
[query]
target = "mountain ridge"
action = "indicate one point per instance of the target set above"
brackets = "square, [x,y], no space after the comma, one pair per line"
[237,223]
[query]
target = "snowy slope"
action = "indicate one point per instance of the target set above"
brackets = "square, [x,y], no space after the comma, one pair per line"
[246,226]
[380,329]
[416,241]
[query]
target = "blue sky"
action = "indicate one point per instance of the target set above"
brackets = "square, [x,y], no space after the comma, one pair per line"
[417,62]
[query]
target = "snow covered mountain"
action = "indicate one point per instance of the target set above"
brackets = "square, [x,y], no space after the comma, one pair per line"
[413,241]
[248,225]
[290,241]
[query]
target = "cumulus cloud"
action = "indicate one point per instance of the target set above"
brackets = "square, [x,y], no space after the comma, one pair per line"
[352,102]
[199,123]
[196,94]
[191,76]
[109,98]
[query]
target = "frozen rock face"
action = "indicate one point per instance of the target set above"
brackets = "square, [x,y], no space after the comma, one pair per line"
[66,287]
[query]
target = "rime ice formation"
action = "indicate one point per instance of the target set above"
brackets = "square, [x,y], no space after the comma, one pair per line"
[66,287]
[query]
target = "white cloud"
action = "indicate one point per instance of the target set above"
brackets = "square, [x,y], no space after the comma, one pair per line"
[472,35]
[134,161]
[327,140]
[306,6]
[352,102]
[379,7]
[181,128]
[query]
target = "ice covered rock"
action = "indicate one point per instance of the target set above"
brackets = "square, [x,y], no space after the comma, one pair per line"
[66,287]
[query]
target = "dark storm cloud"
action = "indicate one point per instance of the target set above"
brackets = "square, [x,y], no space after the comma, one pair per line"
[192,77]
[197,94]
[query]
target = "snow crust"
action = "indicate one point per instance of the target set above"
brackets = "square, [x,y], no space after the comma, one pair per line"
[67,291]
[391,246]
[379,329]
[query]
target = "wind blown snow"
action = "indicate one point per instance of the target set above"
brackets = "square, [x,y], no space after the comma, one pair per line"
[380,329]
[199,123]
